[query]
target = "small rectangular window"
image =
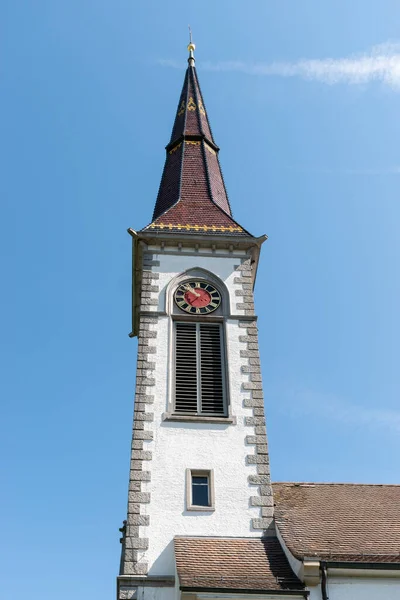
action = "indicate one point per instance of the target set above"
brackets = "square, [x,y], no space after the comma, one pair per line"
[199,490]
[199,369]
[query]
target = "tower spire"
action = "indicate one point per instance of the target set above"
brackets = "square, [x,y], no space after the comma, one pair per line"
[192,196]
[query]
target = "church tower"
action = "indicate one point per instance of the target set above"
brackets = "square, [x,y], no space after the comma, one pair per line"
[199,465]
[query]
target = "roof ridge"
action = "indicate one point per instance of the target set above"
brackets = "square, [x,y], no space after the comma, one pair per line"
[338,483]
[222,537]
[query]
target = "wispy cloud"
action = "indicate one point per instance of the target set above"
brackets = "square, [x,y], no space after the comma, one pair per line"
[381,63]
[297,403]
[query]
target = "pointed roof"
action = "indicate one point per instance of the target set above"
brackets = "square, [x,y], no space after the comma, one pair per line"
[192,195]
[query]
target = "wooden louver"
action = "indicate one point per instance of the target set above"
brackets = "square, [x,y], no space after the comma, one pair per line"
[199,379]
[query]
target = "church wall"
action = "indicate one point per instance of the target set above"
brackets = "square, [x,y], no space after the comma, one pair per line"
[178,446]
[357,588]
[157,511]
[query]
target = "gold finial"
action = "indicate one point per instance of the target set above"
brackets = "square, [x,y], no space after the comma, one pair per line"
[191,47]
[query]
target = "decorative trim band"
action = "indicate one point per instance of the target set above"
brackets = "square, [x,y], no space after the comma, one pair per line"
[187,227]
[175,148]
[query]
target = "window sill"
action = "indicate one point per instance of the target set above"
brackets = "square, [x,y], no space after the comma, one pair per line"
[201,508]
[198,419]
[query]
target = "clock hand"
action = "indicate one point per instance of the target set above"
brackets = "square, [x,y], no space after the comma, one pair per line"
[192,290]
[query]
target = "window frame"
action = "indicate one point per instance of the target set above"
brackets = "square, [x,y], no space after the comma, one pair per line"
[209,473]
[224,371]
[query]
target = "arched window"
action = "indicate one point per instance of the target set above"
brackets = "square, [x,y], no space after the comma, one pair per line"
[198,303]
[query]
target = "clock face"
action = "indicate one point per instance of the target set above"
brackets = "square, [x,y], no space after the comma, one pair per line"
[197,297]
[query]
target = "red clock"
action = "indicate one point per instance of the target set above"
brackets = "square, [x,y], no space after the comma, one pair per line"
[197,297]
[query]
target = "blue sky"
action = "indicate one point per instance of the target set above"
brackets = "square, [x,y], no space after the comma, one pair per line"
[303,100]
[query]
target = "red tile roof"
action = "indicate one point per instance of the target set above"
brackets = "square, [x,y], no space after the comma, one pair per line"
[233,563]
[341,522]
[192,195]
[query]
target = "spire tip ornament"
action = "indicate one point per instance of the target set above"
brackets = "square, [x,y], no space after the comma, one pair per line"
[191,48]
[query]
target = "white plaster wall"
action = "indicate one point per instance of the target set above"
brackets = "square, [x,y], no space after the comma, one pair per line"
[357,588]
[156,593]
[222,266]
[178,446]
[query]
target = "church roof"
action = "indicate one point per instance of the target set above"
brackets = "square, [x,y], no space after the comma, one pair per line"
[234,564]
[342,522]
[192,195]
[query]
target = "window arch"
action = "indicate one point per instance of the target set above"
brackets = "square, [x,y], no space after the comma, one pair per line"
[198,273]
[198,374]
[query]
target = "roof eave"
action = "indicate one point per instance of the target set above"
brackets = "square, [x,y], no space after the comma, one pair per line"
[191,137]
[194,238]
[229,591]
[339,565]
[136,280]
[307,567]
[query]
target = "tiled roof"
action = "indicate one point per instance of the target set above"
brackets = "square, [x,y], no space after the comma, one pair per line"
[233,563]
[341,522]
[191,116]
[192,195]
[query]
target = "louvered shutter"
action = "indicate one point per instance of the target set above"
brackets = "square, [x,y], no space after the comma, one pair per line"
[199,376]
[211,376]
[186,392]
